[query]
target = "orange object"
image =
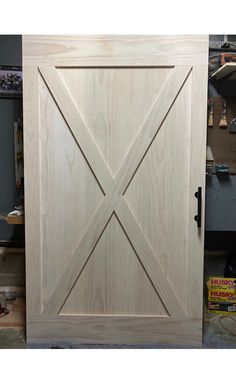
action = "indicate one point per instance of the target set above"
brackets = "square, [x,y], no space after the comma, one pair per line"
[227,57]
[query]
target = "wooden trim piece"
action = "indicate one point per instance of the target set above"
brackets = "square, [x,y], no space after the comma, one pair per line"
[116,50]
[114,330]
[16,220]
[197,179]
[32,188]
[114,190]
[14,251]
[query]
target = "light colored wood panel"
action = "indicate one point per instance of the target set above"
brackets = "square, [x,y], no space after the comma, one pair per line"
[150,262]
[81,254]
[115,330]
[113,105]
[113,281]
[66,184]
[106,328]
[32,189]
[76,123]
[159,193]
[147,132]
[119,50]
[197,178]
[151,125]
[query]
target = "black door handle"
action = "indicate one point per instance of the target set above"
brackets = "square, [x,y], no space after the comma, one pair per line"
[198,217]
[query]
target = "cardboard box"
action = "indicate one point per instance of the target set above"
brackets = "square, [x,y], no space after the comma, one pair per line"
[221,295]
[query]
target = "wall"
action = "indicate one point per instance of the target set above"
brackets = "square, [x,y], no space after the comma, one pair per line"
[10,54]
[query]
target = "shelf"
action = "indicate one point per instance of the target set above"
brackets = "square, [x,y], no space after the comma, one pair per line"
[227,70]
[15,219]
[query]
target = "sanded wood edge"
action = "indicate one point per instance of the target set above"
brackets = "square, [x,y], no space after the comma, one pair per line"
[115,330]
[116,50]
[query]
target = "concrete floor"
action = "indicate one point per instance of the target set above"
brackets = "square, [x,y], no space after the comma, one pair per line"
[12,338]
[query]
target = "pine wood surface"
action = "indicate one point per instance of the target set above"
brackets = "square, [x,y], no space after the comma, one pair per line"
[118,153]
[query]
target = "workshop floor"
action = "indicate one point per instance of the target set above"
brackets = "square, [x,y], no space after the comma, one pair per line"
[215,336]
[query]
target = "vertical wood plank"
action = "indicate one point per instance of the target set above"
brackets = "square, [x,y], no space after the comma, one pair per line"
[197,178]
[32,189]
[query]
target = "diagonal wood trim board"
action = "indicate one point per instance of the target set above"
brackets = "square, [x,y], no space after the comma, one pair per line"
[114,188]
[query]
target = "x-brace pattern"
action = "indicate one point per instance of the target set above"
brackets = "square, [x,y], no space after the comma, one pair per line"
[114,188]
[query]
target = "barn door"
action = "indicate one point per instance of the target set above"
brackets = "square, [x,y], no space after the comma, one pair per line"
[114,152]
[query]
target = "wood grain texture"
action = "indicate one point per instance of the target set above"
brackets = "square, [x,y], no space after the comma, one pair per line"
[66,183]
[76,123]
[114,105]
[113,281]
[149,260]
[147,132]
[32,186]
[197,178]
[124,260]
[132,50]
[158,194]
[115,330]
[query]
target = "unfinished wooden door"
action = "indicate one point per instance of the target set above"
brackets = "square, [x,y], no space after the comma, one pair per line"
[115,138]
